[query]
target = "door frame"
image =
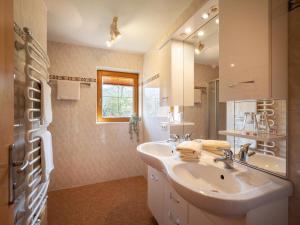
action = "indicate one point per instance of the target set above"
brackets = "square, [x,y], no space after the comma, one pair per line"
[6,105]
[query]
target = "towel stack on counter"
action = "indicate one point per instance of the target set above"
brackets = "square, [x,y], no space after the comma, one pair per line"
[189,150]
[214,146]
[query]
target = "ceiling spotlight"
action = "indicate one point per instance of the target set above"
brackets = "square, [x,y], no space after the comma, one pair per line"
[205,16]
[108,43]
[217,21]
[200,33]
[188,30]
[114,32]
[119,36]
[199,47]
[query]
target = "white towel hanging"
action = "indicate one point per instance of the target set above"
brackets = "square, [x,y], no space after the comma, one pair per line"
[46,155]
[46,105]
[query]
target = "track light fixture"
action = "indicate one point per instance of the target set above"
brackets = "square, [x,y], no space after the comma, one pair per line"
[114,32]
[199,47]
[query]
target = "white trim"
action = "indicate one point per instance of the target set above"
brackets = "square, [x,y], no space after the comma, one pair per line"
[117,69]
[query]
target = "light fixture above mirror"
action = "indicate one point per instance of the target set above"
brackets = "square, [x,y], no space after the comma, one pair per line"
[115,34]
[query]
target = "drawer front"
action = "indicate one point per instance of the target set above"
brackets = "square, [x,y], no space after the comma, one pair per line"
[175,207]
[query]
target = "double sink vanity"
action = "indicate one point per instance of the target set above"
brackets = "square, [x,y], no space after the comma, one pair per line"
[207,193]
[221,76]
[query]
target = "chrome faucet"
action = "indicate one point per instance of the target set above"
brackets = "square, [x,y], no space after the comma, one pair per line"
[187,137]
[173,138]
[176,138]
[244,152]
[227,159]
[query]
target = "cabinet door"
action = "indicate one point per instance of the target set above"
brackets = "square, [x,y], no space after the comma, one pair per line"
[165,74]
[171,74]
[175,207]
[156,194]
[200,217]
[245,45]
[188,74]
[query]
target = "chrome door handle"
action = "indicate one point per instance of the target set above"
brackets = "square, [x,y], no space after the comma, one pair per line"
[12,183]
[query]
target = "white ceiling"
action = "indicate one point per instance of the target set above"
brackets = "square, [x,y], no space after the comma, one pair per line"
[141,22]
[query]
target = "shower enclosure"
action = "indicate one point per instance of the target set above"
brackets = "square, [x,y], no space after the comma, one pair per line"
[216,111]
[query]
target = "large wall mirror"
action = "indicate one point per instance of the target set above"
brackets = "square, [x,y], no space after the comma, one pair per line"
[255,129]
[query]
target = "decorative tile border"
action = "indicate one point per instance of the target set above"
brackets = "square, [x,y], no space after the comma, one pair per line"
[156,76]
[81,79]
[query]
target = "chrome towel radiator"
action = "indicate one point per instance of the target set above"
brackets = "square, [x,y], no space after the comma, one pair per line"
[267,107]
[35,69]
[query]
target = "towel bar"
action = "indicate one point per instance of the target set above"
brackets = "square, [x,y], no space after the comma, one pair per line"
[36,68]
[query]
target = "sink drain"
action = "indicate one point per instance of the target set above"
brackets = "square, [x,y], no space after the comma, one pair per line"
[222,177]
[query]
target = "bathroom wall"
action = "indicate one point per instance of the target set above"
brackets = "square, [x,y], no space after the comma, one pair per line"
[294,115]
[86,152]
[32,14]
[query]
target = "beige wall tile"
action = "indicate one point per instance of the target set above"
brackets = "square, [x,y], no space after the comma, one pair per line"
[86,152]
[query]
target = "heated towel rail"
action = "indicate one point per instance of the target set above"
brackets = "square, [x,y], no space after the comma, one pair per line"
[35,69]
[267,107]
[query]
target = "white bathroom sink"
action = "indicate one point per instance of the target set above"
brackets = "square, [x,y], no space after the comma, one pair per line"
[207,177]
[207,185]
[159,149]
[151,152]
[267,162]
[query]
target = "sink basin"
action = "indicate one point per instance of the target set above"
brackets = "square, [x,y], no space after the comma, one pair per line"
[207,185]
[208,177]
[268,162]
[229,192]
[151,153]
[159,149]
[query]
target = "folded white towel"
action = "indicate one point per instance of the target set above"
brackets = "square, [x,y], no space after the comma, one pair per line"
[68,90]
[46,106]
[46,155]
[189,145]
[190,159]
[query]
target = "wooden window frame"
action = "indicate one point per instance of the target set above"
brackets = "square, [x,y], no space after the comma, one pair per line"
[100,74]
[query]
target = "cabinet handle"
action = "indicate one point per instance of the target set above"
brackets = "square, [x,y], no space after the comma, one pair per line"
[242,82]
[153,177]
[173,198]
[170,215]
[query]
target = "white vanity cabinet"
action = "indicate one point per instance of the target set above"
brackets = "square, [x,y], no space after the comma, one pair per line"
[169,208]
[156,184]
[176,73]
[253,49]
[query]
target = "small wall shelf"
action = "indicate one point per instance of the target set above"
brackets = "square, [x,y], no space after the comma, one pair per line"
[258,137]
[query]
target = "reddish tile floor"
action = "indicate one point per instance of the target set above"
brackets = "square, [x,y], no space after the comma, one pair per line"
[121,202]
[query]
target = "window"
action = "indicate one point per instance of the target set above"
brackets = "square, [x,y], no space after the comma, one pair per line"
[117,96]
